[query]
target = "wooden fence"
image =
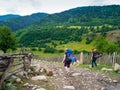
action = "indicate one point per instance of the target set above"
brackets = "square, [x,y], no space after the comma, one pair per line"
[86,58]
[11,64]
[109,59]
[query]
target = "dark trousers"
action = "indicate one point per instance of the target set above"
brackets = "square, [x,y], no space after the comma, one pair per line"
[67,63]
[94,62]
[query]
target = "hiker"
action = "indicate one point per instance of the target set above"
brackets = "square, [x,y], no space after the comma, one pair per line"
[94,57]
[67,59]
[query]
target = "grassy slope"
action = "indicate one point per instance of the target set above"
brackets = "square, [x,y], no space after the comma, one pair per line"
[79,46]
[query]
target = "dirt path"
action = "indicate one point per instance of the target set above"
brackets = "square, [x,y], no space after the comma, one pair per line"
[78,78]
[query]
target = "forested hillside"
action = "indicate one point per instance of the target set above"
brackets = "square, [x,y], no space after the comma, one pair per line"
[23,21]
[90,16]
[67,26]
[5,17]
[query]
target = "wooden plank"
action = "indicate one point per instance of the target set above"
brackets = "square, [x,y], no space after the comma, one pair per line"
[15,69]
[4,62]
[3,77]
[2,69]
[2,66]
[17,64]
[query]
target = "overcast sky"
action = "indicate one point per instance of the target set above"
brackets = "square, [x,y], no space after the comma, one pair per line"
[27,7]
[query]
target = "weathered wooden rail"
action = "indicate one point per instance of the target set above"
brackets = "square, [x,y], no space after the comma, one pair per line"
[11,64]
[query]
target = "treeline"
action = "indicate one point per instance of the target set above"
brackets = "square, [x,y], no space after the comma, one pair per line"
[22,21]
[85,16]
[81,16]
[49,42]
[39,37]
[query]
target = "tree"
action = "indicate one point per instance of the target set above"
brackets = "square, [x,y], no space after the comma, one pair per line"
[118,45]
[101,44]
[7,39]
[105,46]
[112,47]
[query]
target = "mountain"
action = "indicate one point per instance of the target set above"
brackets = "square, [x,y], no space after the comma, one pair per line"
[23,21]
[9,16]
[85,16]
[70,25]
[80,16]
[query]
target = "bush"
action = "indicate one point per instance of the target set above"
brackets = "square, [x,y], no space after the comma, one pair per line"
[31,68]
[76,52]
[88,40]
[60,51]
[9,85]
[49,50]
[34,49]
[39,49]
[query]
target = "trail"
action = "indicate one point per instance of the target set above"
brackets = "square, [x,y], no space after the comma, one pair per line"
[78,78]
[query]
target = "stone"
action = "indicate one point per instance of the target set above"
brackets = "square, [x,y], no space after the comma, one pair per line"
[18,80]
[69,87]
[40,77]
[103,88]
[107,69]
[75,74]
[41,89]
[42,70]
[115,81]
[49,73]
[26,84]
[37,69]
[34,88]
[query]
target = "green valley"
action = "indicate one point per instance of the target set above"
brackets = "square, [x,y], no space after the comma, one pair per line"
[77,28]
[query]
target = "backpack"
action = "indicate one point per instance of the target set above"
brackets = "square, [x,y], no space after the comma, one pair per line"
[97,55]
[73,58]
[68,54]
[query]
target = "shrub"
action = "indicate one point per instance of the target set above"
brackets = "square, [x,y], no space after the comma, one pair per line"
[49,50]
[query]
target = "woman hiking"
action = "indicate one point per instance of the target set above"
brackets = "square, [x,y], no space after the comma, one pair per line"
[67,59]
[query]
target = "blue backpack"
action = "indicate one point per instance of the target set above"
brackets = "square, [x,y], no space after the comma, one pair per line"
[68,54]
[73,58]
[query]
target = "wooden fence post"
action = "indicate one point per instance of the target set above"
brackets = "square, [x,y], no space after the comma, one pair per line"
[24,63]
[27,64]
[3,77]
[81,58]
[113,59]
[29,58]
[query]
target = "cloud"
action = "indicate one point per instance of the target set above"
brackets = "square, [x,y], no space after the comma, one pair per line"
[26,7]
[19,6]
[105,2]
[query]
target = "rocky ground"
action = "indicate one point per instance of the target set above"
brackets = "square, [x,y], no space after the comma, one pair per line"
[76,79]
